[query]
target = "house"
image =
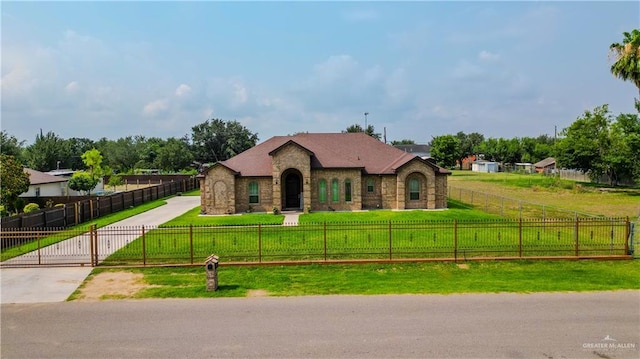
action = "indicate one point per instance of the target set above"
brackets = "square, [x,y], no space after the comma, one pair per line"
[45,185]
[484,166]
[322,172]
[422,151]
[548,165]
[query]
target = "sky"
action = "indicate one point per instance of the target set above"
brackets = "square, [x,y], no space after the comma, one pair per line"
[419,69]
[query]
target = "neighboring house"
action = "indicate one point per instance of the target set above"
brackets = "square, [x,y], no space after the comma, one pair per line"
[422,151]
[484,166]
[45,185]
[467,162]
[322,172]
[548,165]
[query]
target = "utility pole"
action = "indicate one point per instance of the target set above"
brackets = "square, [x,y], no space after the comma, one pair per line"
[365,121]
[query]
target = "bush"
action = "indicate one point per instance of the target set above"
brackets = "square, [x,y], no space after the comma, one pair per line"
[31,207]
[3,211]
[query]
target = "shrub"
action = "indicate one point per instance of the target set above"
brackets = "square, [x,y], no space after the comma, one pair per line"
[31,207]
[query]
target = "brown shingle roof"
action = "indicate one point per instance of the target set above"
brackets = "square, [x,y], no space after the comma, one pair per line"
[37,177]
[327,150]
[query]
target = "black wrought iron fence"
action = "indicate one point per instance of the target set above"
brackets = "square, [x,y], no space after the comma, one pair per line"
[325,242]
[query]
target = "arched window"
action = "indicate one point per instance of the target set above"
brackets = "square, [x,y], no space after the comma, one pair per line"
[254,196]
[335,196]
[347,190]
[414,189]
[322,191]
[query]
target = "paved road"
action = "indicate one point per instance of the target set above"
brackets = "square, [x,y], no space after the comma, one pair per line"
[38,285]
[568,325]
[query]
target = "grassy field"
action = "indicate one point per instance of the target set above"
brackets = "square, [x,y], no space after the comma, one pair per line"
[553,192]
[392,278]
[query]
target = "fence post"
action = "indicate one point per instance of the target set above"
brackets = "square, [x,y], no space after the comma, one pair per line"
[520,238]
[260,243]
[455,240]
[390,243]
[576,235]
[90,208]
[627,235]
[520,203]
[191,242]
[325,240]
[144,248]
[39,246]
[92,249]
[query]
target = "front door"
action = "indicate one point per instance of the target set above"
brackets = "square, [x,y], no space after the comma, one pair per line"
[293,191]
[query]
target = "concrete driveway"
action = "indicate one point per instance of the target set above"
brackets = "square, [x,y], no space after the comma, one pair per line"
[55,284]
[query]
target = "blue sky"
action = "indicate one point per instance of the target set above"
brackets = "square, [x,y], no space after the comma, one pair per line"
[420,69]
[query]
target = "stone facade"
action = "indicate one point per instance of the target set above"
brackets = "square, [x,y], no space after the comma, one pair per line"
[296,182]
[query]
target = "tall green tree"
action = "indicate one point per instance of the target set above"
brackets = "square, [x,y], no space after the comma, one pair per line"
[93,160]
[44,154]
[10,146]
[599,144]
[14,181]
[175,155]
[627,59]
[217,140]
[73,148]
[445,150]
[469,145]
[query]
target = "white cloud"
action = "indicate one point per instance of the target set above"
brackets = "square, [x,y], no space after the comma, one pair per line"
[72,86]
[155,107]
[183,90]
[488,56]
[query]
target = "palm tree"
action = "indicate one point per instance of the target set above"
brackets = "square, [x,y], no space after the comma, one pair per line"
[627,58]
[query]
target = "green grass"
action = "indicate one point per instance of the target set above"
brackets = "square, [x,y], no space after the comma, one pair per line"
[456,210]
[193,217]
[392,278]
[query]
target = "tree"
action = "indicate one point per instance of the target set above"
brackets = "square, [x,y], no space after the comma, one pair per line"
[174,155]
[73,148]
[216,140]
[93,160]
[599,145]
[468,145]
[44,154]
[82,182]
[371,131]
[403,142]
[445,150]
[627,58]
[10,146]
[14,180]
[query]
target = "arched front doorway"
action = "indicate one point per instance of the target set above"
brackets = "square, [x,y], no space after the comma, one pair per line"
[292,189]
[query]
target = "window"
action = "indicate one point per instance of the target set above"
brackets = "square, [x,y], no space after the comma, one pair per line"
[253,192]
[37,191]
[370,187]
[347,190]
[414,189]
[335,196]
[322,191]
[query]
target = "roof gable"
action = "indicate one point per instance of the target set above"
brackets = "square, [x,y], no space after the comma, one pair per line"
[37,177]
[327,150]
